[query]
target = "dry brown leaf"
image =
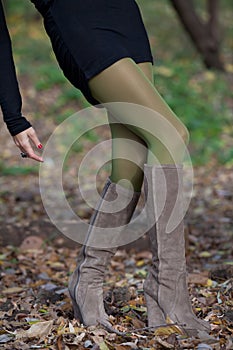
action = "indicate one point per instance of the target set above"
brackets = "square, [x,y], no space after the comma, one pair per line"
[38,330]
[198,278]
[98,335]
[164,343]
[103,346]
[165,331]
[170,329]
[122,347]
[60,344]
[31,242]
[127,346]
[137,323]
[12,290]
[144,255]
[72,339]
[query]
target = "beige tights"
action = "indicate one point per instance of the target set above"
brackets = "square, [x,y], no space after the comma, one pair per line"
[126,81]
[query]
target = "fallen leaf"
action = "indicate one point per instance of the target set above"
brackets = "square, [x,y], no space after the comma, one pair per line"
[72,339]
[12,290]
[203,346]
[122,347]
[31,242]
[137,323]
[71,328]
[197,278]
[139,309]
[126,346]
[60,344]
[164,343]
[88,344]
[103,346]
[5,338]
[205,254]
[38,330]
[165,331]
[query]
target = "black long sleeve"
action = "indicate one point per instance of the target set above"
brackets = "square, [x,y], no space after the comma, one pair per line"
[10,98]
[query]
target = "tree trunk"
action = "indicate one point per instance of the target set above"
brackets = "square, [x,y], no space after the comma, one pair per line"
[205,36]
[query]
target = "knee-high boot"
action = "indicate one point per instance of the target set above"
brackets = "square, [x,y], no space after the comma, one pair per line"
[155,314]
[166,286]
[86,282]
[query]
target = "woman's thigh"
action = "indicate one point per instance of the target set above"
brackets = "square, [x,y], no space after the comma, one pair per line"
[147,69]
[120,130]
[125,81]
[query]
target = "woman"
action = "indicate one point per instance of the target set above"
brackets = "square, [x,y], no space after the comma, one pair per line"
[103,49]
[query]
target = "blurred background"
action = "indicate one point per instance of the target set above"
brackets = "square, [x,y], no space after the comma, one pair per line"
[192,47]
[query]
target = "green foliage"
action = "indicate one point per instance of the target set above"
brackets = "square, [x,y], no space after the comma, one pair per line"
[17,170]
[201,98]
[198,97]
[48,77]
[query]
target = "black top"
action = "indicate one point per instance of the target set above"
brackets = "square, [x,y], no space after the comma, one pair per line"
[10,98]
[100,40]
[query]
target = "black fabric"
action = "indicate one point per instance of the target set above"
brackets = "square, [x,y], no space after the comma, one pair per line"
[42,5]
[65,60]
[87,36]
[10,98]
[100,32]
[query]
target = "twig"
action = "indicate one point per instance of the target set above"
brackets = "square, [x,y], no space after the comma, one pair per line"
[138,329]
[112,330]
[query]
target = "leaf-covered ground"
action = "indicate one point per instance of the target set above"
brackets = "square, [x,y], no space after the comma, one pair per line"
[36,312]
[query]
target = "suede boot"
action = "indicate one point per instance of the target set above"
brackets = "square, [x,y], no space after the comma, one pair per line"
[155,314]
[86,282]
[166,286]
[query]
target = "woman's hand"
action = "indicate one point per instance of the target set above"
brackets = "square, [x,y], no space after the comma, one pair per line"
[22,140]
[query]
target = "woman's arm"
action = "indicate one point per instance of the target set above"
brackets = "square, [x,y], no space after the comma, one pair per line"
[10,97]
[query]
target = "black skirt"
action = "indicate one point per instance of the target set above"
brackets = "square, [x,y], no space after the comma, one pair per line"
[87,36]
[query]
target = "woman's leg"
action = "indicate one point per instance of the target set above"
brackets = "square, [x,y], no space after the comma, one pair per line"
[125,81]
[85,284]
[166,288]
[128,158]
[129,154]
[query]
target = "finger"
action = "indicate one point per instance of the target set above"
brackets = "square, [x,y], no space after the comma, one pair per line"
[33,136]
[35,157]
[31,154]
[17,143]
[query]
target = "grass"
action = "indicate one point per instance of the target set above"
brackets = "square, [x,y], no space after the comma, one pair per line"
[17,170]
[201,98]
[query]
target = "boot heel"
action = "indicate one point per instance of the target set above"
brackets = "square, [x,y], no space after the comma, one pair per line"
[155,315]
[77,312]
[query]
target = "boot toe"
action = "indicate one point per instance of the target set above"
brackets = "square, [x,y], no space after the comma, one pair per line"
[197,324]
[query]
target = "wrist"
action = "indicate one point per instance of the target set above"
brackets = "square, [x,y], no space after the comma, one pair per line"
[18,125]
